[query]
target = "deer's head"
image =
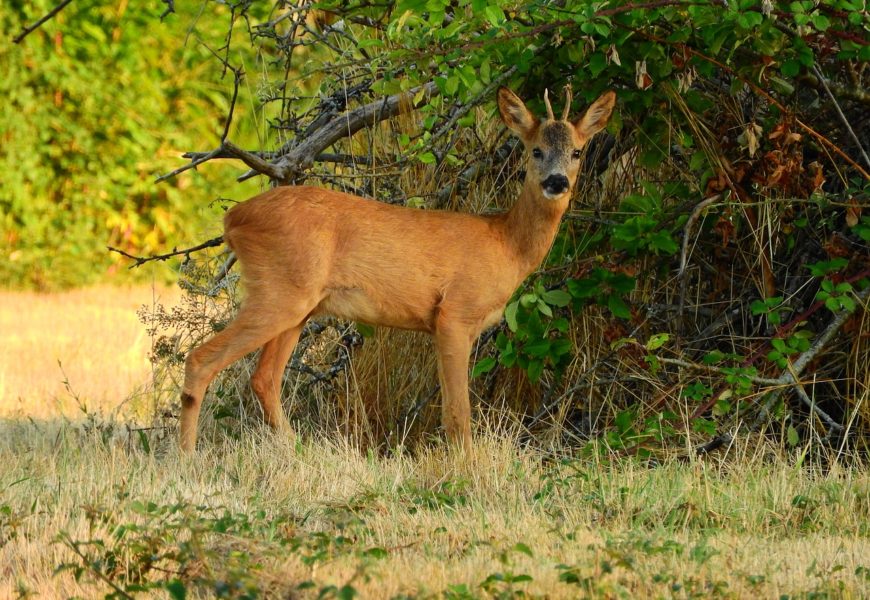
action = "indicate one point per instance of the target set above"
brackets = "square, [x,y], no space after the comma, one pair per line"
[554,145]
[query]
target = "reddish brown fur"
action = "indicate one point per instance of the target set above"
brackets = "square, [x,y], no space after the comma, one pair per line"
[306,251]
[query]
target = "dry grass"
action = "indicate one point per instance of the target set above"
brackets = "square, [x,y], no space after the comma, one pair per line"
[262,515]
[90,339]
[439,524]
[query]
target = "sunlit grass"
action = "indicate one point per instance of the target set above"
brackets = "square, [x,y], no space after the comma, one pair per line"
[273,515]
[261,514]
[82,349]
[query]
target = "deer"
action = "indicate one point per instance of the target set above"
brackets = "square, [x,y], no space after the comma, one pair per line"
[306,251]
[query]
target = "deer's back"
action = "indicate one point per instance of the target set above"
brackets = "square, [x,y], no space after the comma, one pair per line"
[368,260]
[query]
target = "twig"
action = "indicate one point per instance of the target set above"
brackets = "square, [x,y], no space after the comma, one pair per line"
[237,79]
[840,114]
[201,158]
[833,327]
[31,28]
[717,370]
[141,260]
[717,442]
[802,394]
[170,9]
[687,230]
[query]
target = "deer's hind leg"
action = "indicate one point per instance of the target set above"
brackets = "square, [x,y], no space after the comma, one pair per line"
[267,379]
[257,322]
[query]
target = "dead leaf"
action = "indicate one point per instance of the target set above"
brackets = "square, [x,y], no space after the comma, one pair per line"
[641,77]
[750,138]
[853,212]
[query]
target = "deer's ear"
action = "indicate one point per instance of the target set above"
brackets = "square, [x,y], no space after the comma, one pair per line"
[596,116]
[515,114]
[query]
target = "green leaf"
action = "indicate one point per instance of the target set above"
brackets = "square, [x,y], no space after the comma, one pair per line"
[712,357]
[493,14]
[557,298]
[365,330]
[176,589]
[820,21]
[347,592]
[758,307]
[618,307]
[790,68]
[535,370]
[825,267]
[510,315]
[544,308]
[657,341]
[597,64]
[485,365]
[792,436]
[583,288]
[427,158]
[560,347]
[528,300]
[538,348]
[521,547]
[376,552]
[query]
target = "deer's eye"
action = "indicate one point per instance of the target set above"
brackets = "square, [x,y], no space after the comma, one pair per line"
[575,155]
[537,153]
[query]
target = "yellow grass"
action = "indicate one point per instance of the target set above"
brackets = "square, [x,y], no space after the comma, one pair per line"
[278,519]
[91,338]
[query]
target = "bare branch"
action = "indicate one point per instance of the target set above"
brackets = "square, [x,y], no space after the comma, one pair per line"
[304,154]
[31,28]
[272,170]
[141,260]
[841,115]
[295,159]
[198,160]
[237,79]
[170,9]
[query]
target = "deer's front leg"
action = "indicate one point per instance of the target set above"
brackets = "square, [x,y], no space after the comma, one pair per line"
[454,347]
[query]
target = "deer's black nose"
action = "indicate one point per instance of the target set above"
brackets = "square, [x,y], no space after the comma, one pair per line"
[555,184]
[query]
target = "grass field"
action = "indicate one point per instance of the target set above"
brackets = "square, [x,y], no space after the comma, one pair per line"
[89,507]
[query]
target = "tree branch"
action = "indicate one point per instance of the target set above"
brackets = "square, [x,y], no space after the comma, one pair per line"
[170,9]
[296,158]
[31,28]
[141,260]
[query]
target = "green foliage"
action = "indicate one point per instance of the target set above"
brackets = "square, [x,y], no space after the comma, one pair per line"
[770,307]
[539,332]
[836,296]
[783,348]
[97,103]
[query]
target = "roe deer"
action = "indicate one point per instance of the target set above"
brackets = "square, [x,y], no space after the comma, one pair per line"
[306,251]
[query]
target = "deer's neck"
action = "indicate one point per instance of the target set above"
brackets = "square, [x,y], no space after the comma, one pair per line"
[531,226]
